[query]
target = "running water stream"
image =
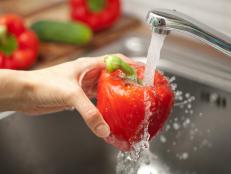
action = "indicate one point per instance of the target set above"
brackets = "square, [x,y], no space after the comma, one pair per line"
[132,162]
[153,57]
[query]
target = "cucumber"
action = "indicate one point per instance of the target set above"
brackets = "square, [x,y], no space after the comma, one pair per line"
[64,32]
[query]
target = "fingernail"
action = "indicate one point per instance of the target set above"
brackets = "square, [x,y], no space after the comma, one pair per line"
[102,130]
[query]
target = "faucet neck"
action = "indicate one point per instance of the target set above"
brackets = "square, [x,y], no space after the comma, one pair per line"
[163,21]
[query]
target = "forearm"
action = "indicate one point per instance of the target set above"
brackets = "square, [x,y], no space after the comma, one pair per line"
[14,86]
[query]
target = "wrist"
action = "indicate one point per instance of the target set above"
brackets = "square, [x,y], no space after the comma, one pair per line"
[14,89]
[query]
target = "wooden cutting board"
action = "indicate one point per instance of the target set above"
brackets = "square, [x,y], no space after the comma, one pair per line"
[53,53]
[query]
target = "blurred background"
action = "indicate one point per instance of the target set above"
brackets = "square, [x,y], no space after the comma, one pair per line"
[195,140]
[213,13]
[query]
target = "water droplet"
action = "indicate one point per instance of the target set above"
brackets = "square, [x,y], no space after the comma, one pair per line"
[185,156]
[187,95]
[163,139]
[167,128]
[173,86]
[182,156]
[191,112]
[176,126]
[186,122]
[173,78]
[176,119]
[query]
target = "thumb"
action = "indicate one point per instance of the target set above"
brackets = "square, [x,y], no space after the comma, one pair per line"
[91,115]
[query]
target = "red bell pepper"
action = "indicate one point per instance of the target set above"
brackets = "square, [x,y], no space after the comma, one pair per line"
[121,100]
[82,10]
[18,45]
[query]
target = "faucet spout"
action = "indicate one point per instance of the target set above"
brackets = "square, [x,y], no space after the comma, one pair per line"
[163,21]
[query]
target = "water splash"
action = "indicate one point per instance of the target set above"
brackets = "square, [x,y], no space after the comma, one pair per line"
[146,164]
[175,129]
[143,144]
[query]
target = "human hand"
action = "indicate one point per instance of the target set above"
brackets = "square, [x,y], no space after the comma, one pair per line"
[60,87]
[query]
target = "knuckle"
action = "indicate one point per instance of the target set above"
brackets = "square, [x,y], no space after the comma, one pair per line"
[92,117]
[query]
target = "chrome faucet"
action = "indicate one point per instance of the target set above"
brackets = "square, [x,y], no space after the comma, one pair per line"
[163,21]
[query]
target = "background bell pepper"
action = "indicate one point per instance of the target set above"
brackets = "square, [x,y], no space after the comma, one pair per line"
[122,100]
[18,45]
[98,14]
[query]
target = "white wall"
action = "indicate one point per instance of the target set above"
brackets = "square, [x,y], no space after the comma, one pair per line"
[215,13]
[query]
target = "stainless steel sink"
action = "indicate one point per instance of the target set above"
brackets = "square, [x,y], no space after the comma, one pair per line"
[195,140]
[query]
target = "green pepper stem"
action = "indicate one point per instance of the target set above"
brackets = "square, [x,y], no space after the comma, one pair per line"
[3,34]
[8,42]
[114,62]
[96,6]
